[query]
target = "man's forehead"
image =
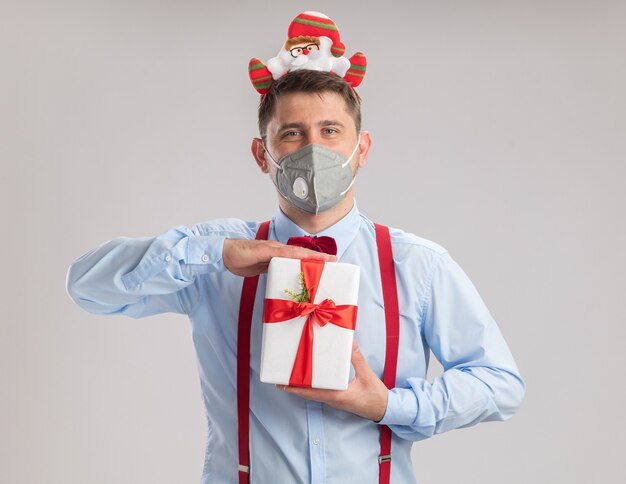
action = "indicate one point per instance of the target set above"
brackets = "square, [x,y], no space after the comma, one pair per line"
[310,108]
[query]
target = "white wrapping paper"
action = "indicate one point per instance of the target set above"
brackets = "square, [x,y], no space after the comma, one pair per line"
[332,345]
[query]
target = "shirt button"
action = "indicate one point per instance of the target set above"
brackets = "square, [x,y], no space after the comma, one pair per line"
[316,441]
[168,258]
[205,258]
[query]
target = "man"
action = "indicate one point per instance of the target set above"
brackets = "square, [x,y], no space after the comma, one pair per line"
[303,434]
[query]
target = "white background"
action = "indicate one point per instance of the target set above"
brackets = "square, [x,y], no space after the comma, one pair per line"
[498,131]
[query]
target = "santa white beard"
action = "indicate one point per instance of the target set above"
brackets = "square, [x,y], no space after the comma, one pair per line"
[317,60]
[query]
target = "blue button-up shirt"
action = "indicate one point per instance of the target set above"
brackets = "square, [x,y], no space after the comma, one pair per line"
[293,440]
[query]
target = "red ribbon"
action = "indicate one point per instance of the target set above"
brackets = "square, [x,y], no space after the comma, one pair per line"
[279,310]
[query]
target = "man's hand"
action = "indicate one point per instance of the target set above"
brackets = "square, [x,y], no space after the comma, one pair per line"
[251,257]
[366,395]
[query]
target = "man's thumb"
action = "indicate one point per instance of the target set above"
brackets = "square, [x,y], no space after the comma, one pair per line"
[357,359]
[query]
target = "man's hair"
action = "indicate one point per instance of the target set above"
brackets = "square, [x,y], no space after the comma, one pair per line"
[308,81]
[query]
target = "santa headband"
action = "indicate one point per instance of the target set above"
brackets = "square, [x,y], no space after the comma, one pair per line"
[313,43]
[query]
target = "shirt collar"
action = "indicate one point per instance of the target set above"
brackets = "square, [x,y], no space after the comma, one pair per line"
[344,231]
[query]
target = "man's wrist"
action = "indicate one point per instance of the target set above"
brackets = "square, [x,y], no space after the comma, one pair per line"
[381,415]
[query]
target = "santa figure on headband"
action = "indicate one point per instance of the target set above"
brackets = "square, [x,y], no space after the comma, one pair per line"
[313,42]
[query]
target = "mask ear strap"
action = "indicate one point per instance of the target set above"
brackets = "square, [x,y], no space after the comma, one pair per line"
[349,186]
[271,157]
[358,142]
[274,181]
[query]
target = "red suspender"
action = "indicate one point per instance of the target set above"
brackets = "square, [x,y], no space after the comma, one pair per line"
[246,306]
[392,321]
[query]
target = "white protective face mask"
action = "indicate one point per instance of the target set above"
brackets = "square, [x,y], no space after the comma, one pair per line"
[314,178]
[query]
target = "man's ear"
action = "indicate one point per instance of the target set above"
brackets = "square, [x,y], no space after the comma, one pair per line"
[365,143]
[258,151]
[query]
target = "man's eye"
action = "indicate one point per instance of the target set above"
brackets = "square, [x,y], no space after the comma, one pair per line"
[292,133]
[330,131]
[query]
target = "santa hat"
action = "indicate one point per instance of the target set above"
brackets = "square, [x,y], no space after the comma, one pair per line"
[317,24]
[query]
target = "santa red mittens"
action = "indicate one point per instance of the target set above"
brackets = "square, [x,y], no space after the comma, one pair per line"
[260,75]
[358,65]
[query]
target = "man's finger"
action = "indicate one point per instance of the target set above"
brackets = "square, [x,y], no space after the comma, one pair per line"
[293,252]
[357,360]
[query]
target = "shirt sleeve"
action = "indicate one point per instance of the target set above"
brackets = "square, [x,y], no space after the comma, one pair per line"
[143,276]
[480,382]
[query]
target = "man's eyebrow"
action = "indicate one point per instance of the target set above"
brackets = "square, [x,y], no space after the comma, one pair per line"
[330,122]
[296,125]
[291,126]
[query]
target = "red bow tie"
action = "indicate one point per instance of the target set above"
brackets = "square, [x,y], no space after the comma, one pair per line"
[318,244]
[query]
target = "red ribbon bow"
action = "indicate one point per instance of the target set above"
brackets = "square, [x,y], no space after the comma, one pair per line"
[279,310]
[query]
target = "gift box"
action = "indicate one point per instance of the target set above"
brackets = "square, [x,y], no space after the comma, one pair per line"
[309,317]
